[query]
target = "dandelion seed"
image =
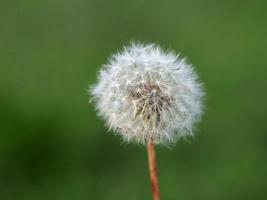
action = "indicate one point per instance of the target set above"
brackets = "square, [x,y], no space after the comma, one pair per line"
[161,93]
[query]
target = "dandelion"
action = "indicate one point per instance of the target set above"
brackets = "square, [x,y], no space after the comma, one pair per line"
[149,96]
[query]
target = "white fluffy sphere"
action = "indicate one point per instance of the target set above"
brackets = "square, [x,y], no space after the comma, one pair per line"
[146,94]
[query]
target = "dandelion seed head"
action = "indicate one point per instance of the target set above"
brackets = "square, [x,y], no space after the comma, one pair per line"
[147,94]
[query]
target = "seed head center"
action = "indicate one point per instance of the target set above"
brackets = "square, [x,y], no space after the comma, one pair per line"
[149,101]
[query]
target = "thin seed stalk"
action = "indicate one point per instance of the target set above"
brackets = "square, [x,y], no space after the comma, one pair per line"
[152,163]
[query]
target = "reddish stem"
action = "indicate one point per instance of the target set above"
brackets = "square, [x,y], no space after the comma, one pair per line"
[153,170]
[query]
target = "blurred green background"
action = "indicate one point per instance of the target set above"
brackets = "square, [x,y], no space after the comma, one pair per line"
[52,145]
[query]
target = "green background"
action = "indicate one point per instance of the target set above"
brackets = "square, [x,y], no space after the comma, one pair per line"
[52,145]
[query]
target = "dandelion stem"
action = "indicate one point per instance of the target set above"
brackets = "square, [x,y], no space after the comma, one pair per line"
[153,170]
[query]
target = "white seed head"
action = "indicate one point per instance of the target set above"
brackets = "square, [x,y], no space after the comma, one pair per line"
[147,94]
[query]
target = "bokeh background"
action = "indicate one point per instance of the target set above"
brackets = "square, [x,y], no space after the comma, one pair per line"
[52,145]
